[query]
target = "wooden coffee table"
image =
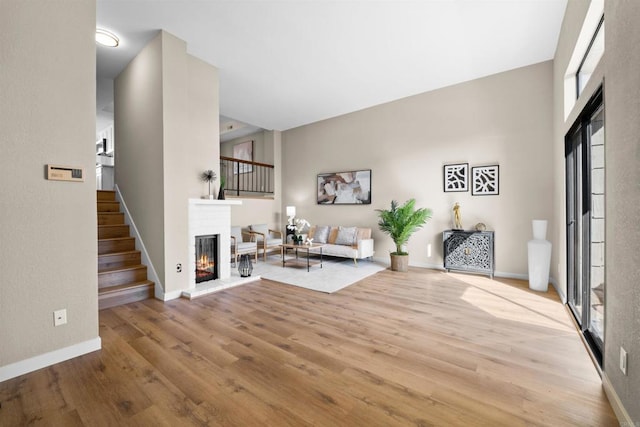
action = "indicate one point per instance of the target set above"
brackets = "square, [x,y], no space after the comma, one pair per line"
[314,248]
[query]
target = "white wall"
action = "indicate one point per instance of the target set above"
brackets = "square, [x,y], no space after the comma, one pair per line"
[503,119]
[166,121]
[261,210]
[139,157]
[48,229]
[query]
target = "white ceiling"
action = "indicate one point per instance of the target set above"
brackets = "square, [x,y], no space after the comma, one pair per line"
[292,62]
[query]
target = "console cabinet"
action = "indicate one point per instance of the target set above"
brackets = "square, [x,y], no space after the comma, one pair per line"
[470,251]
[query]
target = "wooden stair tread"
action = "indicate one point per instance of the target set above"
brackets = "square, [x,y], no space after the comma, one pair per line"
[114,218]
[113,239]
[122,279]
[105,195]
[118,253]
[106,231]
[126,286]
[123,268]
[104,206]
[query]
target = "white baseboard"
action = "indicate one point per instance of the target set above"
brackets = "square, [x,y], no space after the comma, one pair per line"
[168,296]
[618,408]
[560,292]
[503,274]
[47,359]
[151,271]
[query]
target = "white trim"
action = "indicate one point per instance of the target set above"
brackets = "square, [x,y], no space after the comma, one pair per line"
[616,404]
[503,274]
[560,292]
[210,202]
[588,30]
[151,271]
[217,285]
[22,367]
[168,296]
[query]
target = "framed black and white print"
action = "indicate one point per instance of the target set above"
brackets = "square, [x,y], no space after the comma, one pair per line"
[485,180]
[456,177]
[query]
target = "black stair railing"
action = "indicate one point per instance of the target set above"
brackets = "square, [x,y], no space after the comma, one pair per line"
[244,177]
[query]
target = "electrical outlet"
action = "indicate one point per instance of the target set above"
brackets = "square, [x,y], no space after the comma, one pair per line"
[623,360]
[179,268]
[59,317]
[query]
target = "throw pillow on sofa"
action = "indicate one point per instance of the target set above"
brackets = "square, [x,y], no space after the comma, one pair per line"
[321,234]
[347,236]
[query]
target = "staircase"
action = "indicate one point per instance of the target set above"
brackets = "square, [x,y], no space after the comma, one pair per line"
[121,276]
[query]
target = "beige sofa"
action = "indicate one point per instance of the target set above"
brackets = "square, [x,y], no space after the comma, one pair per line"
[347,242]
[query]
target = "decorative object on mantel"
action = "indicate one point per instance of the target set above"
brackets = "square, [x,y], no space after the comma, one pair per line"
[245,267]
[485,180]
[400,222]
[480,226]
[209,176]
[297,225]
[456,177]
[457,217]
[223,180]
[539,257]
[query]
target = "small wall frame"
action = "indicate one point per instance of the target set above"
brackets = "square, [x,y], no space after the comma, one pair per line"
[456,177]
[243,151]
[485,180]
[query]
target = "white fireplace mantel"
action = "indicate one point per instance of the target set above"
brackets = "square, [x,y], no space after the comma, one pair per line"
[208,216]
[214,202]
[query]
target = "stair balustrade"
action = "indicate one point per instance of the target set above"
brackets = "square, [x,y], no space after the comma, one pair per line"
[244,177]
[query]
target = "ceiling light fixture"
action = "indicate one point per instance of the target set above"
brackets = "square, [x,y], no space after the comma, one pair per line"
[105,38]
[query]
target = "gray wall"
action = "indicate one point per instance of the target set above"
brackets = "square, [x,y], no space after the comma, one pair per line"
[502,119]
[622,104]
[139,158]
[618,70]
[167,128]
[47,228]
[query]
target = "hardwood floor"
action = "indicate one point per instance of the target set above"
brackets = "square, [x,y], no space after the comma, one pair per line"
[419,348]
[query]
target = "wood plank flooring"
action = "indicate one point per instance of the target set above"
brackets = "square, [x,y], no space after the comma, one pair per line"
[397,349]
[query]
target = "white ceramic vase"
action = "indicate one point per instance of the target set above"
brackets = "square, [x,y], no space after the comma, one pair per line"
[539,254]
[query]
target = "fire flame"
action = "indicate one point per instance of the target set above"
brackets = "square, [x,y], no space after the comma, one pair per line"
[204,262]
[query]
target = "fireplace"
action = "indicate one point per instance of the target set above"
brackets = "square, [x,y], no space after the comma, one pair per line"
[206,258]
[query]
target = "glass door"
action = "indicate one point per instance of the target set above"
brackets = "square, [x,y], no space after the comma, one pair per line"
[596,226]
[585,166]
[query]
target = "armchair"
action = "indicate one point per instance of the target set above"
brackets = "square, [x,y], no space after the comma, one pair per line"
[265,238]
[240,247]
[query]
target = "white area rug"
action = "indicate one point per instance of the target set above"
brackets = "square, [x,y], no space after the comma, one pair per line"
[335,274]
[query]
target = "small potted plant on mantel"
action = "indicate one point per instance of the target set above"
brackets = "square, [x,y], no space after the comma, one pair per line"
[400,222]
[209,176]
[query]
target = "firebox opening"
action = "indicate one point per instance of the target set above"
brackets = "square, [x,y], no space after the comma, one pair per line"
[206,258]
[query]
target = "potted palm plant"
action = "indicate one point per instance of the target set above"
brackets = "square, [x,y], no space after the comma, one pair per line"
[400,222]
